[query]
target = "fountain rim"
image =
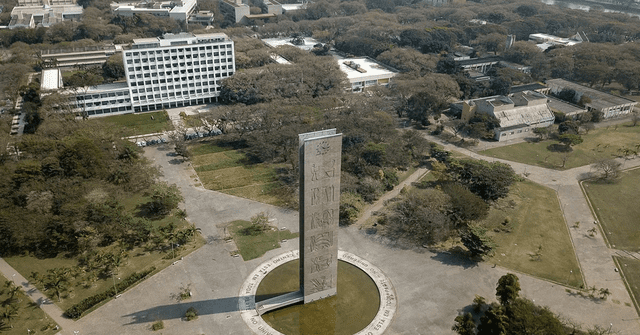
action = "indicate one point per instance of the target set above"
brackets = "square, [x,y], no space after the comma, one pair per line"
[382,320]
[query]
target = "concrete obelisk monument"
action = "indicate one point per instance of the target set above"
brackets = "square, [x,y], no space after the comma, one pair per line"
[320,158]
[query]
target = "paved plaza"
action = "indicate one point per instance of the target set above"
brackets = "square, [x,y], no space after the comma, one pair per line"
[432,288]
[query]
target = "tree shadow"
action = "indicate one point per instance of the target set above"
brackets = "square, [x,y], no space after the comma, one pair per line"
[177,311]
[176,161]
[455,257]
[559,147]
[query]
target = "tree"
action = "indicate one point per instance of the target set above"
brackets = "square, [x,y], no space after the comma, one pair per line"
[456,126]
[608,169]
[494,321]
[635,118]
[570,140]
[507,289]
[56,281]
[542,133]
[490,181]
[164,198]
[464,325]
[10,312]
[466,206]
[476,240]
[526,10]
[113,68]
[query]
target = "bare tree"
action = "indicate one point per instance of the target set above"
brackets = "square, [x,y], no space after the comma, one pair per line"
[635,117]
[608,169]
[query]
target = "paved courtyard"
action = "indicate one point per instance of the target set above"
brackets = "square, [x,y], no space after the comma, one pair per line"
[432,288]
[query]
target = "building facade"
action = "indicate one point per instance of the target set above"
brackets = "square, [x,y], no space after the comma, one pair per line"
[608,104]
[517,113]
[34,13]
[177,10]
[166,72]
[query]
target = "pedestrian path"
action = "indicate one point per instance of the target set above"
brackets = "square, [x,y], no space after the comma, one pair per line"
[594,256]
[38,297]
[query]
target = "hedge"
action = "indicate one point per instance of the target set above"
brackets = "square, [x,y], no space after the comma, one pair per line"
[75,311]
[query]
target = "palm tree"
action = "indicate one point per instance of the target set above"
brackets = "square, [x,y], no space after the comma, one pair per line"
[9,313]
[192,230]
[56,281]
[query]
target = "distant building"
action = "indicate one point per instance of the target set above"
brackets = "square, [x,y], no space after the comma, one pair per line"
[569,110]
[443,2]
[545,41]
[204,18]
[51,80]
[178,10]
[74,57]
[538,87]
[34,13]
[239,11]
[366,72]
[165,72]
[362,72]
[517,113]
[481,65]
[608,104]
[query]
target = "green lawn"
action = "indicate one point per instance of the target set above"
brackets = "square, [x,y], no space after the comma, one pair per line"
[28,316]
[226,170]
[601,143]
[616,206]
[138,123]
[250,246]
[630,270]
[535,220]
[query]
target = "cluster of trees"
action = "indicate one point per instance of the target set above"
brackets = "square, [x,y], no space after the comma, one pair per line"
[515,315]
[67,184]
[452,205]
[9,292]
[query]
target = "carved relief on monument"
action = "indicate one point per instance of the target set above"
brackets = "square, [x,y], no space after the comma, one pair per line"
[322,219]
[321,241]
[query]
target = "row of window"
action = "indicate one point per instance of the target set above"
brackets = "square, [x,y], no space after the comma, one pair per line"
[176,71]
[179,57]
[171,87]
[170,95]
[176,50]
[170,80]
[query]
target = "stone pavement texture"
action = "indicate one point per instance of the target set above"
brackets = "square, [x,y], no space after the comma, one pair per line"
[432,288]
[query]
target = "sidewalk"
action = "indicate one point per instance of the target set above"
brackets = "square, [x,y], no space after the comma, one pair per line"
[40,299]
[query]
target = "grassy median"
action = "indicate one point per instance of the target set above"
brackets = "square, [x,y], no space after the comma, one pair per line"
[616,206]
[599,144]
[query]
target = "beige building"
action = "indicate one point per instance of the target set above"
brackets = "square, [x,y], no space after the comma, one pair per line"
[34,13]
[517,113]
[608,104]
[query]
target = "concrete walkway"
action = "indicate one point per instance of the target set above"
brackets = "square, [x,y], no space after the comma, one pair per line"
[593,255]
[379,204]
[32,292]
[432,287]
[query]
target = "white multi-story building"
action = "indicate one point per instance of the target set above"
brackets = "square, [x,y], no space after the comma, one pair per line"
[178,10]
[165,72]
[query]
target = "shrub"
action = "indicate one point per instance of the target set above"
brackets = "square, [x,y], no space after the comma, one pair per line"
[191,314]
[75,311]
[157,325]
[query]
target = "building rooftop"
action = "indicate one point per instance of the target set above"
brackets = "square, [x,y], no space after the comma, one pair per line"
[363,68]
[177,39]
[568,109]
[307,44]
[599,99]
[527,87]
[51,79]
[474,61]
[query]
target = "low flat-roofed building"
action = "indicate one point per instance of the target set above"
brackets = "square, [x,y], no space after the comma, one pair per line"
[545,41]
[608,104]
[51,80]
[74,57]
[478,64]
[568,109]
[517,113]
[239,10]
[538,87]
[178,10]
[205,18]
[365,72]
[34,13]
[304,43]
